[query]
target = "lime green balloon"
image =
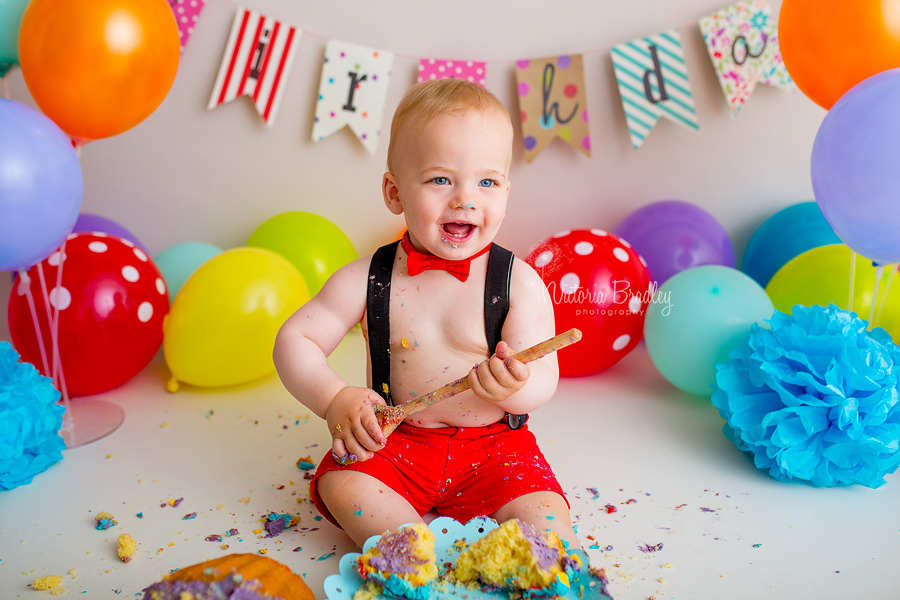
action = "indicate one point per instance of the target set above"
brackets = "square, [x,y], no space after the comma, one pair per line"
[822,276]
[313,244]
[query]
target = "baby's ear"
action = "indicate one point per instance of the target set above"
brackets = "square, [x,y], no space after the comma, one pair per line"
[391,193]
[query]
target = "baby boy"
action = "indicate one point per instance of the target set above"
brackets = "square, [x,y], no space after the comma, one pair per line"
[431,306]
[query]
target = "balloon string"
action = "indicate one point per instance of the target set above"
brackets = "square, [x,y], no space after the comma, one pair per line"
[884,295]
[53,346]
[879,271]
[58,355]
[852,278]
[25,280]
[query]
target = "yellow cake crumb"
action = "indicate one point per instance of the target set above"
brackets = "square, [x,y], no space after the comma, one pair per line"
[661,580]
[109,456]
[47,582]
[220,507]
[160,551]
[127,546]
[164,425]
[58,591]
[142,480]
[72,573]
[667,566]
[263,551]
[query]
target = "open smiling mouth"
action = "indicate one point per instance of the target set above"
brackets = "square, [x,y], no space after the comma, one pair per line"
[458,231]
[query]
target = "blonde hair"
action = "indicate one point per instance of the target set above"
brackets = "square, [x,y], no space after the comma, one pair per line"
[429,99]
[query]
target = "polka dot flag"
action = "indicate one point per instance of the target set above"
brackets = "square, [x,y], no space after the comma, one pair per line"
[552,103]
[187,12]
[352,92]
[435,68]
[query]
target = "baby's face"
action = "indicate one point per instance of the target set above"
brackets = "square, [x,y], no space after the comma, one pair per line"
[452,181]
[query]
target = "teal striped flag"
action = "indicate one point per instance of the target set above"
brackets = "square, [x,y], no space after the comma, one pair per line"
[653,83]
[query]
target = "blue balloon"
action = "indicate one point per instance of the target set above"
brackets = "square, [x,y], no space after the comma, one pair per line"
[696,318]
[788,233]
[11,12]
[40,186]
[672,236]
[854,167]
[177,263]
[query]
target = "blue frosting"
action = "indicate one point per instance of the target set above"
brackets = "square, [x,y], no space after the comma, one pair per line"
[815,398]
[30,420]
[401,588]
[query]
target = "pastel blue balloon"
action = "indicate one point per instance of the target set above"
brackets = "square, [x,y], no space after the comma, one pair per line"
[177,263]
[696,318]
[788,233]
[11,12]
[854,167]
[41,186]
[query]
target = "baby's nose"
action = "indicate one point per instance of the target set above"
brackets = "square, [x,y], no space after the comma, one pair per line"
[463,201]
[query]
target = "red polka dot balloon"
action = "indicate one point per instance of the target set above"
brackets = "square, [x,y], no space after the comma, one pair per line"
[112,302]
[600,285]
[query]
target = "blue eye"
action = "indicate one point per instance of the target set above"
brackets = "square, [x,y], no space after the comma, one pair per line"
[487,183]
[440,181]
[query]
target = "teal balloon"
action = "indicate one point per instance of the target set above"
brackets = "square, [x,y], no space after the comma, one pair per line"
[696,318]
[783,236]
[177,263]
[11,12]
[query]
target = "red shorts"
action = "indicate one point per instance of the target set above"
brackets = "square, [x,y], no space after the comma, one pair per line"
[457,472]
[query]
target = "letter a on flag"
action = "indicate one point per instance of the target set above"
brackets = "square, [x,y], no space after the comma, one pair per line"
[352,91]
[257,59]
[653,83]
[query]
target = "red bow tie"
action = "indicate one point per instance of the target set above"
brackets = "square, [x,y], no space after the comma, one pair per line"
[418,262]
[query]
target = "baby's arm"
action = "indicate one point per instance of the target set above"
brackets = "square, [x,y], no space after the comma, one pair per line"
[301,350]
[514,386]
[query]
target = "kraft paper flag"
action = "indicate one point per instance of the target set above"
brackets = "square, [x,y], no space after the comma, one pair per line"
[653,83]
[742,41]
[435,68]
[258,57]
[552,103]
[352,91]
[187,12]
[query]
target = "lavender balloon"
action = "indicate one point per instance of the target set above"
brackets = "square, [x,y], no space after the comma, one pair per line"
[854,167]
[673,236]
[90,223]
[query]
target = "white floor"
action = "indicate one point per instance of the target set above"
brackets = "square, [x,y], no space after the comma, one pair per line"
[728,530]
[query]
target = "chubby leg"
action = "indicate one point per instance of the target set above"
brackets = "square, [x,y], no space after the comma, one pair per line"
[543,510]
[346,493]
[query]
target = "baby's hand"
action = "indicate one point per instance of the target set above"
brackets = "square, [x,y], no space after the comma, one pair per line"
[499,377]
[353,424]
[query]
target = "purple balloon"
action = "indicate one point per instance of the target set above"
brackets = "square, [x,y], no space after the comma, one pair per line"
[87,223]
[672,236]
[854,167]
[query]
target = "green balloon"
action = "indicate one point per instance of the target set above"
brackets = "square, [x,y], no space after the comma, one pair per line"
[11,12]
[822,276]
[696,318]
[315,245]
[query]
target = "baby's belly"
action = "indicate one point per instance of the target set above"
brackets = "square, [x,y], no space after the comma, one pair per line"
[413,379]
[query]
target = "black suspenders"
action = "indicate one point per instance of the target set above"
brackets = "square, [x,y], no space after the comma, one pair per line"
[378,304]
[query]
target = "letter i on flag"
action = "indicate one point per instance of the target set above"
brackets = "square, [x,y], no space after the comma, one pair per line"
[742,42]
[352,91]
[653,83]
[257,59]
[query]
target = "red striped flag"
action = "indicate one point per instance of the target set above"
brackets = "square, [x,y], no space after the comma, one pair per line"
[257,59]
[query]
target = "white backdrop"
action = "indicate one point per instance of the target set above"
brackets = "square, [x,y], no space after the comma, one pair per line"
[191,174]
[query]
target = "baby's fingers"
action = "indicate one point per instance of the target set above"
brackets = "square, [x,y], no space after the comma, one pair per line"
[366,439]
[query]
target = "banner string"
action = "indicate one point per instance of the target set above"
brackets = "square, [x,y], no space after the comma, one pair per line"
[500,61]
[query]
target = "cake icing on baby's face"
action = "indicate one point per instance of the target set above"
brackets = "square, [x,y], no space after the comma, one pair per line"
[451,181]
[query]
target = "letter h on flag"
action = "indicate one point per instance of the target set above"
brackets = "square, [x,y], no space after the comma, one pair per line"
[257,59]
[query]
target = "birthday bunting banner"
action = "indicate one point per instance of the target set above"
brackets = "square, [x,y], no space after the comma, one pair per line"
[470,70]
[653,83]
[552,103]
[187,13]
[258,57]
[352,91]
[742,41]
[651,75]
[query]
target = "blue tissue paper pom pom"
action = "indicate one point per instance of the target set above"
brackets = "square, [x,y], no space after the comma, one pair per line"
[814,398]
[30,420]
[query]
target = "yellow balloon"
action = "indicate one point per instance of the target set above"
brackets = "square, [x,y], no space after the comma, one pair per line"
[222,325]
[822,276]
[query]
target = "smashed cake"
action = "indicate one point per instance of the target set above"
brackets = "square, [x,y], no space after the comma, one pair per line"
[402,561]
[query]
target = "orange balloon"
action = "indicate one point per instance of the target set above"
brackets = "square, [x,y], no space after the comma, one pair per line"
[98,67]
[828,46]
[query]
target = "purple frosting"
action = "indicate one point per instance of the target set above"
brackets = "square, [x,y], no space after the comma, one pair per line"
[397,554]
[547,556]
[229,588]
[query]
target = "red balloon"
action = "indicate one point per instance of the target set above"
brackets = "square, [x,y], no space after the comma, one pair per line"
[112,303]
[600,285]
